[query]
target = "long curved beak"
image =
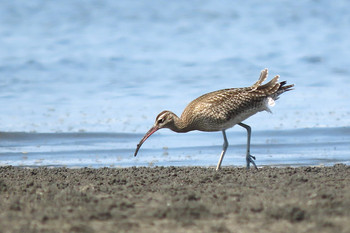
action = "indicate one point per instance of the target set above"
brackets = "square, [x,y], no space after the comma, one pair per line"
[149,133]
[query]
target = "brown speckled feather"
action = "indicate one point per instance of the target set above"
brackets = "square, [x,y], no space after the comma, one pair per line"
[223,109]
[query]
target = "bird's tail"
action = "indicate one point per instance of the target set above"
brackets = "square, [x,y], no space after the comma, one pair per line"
[283,88]
[273,88]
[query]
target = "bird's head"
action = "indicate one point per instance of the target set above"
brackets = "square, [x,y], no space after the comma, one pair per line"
[164,119]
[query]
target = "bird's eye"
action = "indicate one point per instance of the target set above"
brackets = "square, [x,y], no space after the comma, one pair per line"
[161,120]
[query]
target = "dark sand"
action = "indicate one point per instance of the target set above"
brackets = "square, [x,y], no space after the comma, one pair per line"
[175,199]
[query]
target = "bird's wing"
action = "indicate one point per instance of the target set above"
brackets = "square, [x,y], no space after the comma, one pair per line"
[218,105]
[262,78]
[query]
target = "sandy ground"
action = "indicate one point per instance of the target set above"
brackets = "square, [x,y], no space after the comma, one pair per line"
[175,199]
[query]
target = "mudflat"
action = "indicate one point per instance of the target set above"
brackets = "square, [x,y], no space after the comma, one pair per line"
[175,199]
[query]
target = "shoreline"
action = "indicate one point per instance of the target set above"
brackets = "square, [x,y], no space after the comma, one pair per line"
[175,199]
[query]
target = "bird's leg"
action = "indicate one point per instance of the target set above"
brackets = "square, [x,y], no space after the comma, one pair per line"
[224,148]
[250,158]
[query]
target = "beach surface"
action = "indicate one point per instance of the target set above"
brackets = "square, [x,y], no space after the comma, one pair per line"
[175,199]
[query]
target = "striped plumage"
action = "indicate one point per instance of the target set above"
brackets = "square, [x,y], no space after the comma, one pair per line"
[222,109]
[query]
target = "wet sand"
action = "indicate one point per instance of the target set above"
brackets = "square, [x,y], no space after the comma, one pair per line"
[175,199]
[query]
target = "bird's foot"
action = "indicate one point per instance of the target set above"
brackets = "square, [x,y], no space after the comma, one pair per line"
[250,160]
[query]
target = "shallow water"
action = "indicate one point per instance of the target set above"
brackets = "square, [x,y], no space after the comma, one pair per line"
[83,81]
[323,146]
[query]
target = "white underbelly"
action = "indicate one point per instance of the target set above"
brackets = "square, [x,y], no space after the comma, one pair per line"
[239,118]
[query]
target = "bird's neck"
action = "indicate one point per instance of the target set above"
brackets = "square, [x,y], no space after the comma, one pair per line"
[179,125]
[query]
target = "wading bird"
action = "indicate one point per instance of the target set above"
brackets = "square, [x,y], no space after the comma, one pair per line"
[222,109]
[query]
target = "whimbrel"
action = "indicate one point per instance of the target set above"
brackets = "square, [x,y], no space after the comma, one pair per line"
[222,109]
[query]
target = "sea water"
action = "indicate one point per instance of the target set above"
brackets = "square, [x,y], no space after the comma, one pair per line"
[82,81]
